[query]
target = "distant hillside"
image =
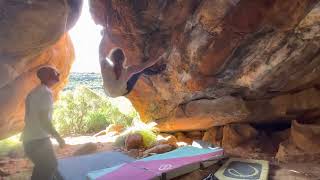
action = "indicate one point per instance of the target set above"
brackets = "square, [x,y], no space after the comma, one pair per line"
[90,80]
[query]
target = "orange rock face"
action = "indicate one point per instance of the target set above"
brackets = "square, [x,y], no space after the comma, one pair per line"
[306,136]
[249,50]
[32,34]
[60,55]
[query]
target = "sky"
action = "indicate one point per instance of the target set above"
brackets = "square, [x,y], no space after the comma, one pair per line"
[86,38]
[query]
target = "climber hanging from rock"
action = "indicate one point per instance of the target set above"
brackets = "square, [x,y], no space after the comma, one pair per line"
[119,80]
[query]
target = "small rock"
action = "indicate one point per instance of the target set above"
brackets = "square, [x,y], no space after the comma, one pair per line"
[111,130]
[167,139]
[85,149]
[16,153]
[182,138]
[236,134]
[140,155]
[117,128]
[158,149]
[306,136]
[3,173]
[213,135]
[2,163]
[134,141]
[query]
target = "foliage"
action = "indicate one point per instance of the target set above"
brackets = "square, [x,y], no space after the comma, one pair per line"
[147,131]
[83,111]
[149,137]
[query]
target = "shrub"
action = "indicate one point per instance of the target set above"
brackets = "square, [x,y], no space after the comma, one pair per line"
[147,131]
[83,111]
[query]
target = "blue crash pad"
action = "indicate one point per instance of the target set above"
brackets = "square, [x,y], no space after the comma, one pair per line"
[76,168]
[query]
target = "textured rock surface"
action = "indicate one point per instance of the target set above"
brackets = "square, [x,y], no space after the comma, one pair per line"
[204,113]
[27,27]
[214,135]
[60,55]
[306,136]
[32,34]
[288,152]
[237,134]
[253,51]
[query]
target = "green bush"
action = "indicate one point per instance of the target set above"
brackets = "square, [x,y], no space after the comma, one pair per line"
[147,131]
[83,111]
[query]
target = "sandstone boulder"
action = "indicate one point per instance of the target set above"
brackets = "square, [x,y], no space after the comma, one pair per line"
[306,136]
[247,50]
[134,141]
[32,34]
[158,149]
[60,55]
[214,135]
[28,27]
[237,134]
[183,139]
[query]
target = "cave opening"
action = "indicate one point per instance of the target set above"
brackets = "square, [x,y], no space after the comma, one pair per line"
[86,36]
